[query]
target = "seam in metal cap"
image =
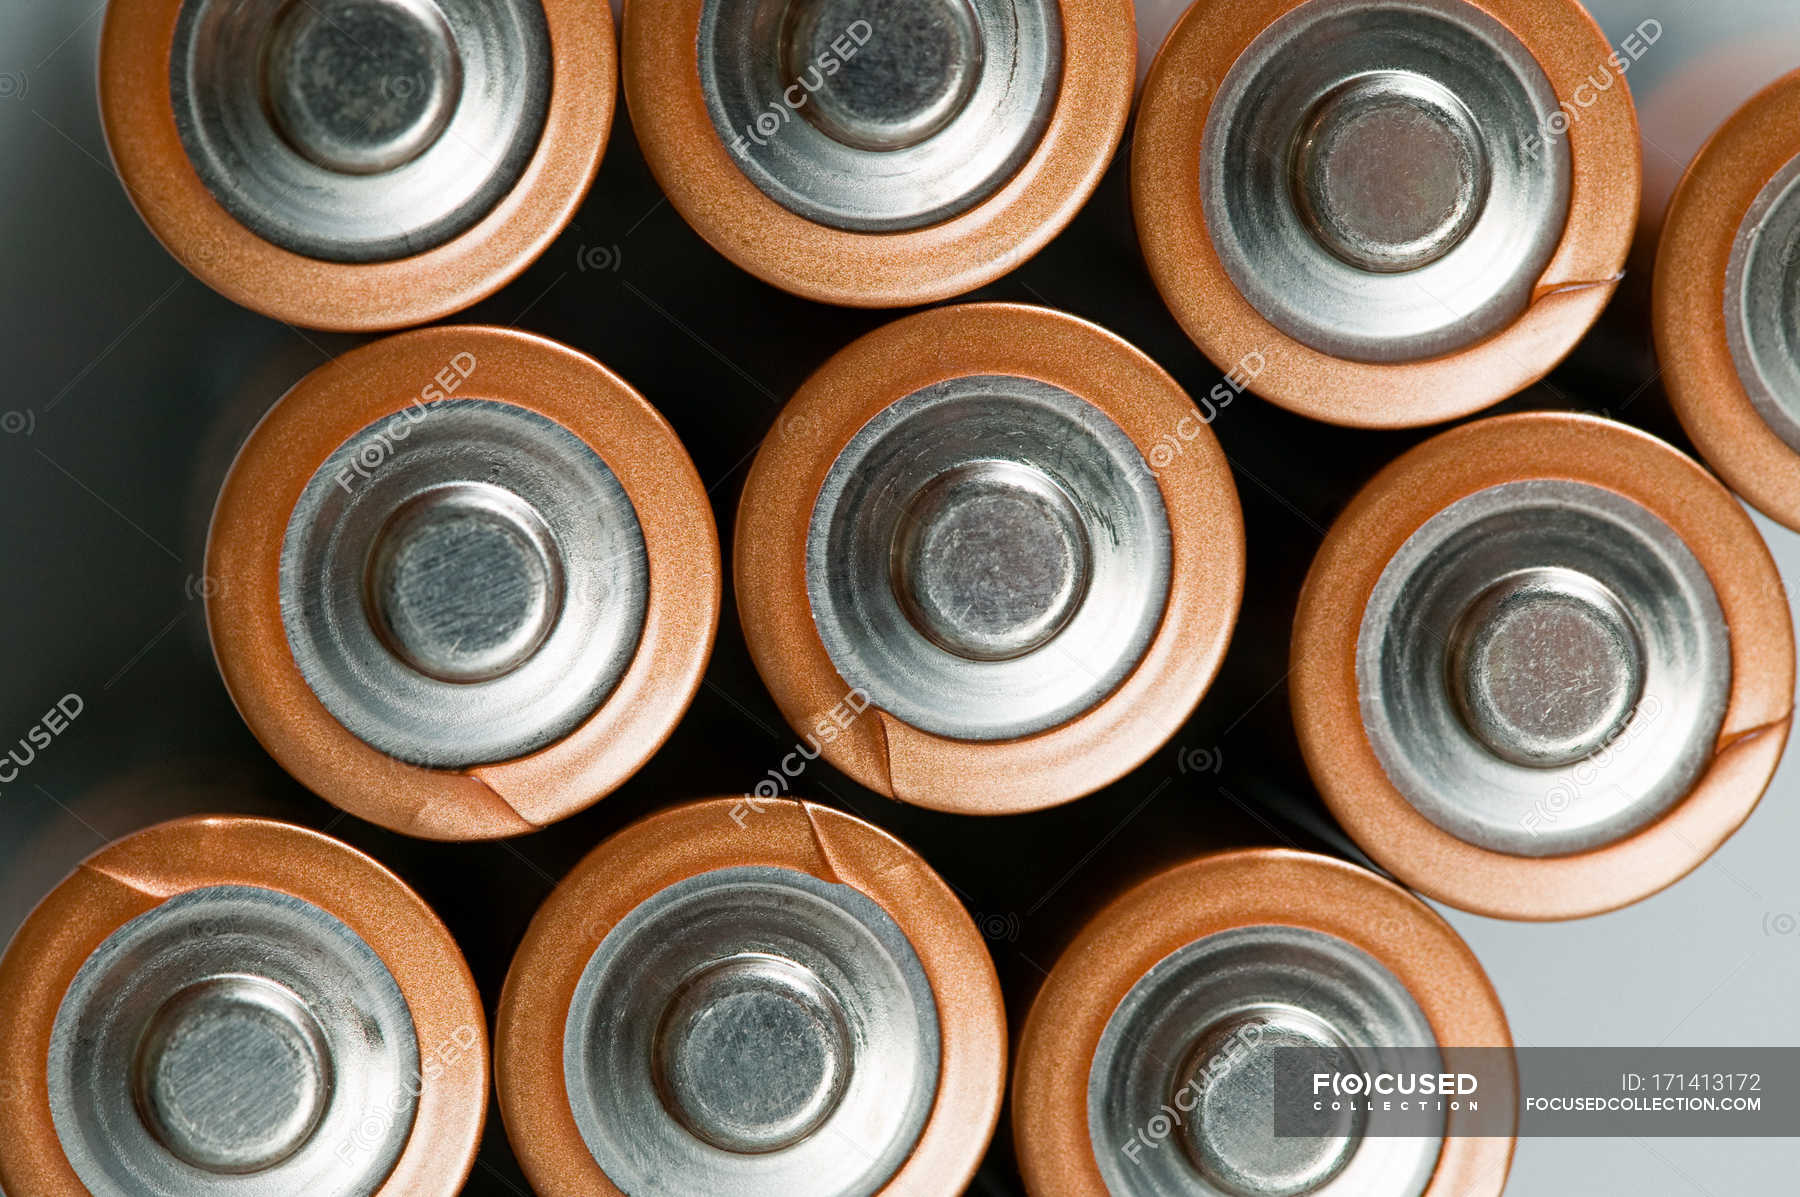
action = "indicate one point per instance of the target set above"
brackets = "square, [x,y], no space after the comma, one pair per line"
[1725,201]
[1376,386]
[157,870]
[914,116]
[364,426]
[885,397]
[826,852]
[314,146]
[1259,890]
[1541,863]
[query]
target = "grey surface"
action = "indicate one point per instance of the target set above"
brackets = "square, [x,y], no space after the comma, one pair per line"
[130,386]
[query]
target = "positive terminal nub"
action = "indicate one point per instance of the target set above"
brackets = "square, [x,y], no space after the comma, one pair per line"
[880,74]
[232,1074]
[1390,173]
[1545,667]
[361,86]
[464,582]
[990,560]
[752,1053]
[1227,1083]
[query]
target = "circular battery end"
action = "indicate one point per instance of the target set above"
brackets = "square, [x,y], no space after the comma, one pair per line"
[1390,172]
[1546,667]
[1566,666]
[233,1074]
[991,560]
[753,1054]
[1228,1139]
[361,88]
[901,90]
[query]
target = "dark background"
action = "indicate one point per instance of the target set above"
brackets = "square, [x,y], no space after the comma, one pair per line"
[130,386]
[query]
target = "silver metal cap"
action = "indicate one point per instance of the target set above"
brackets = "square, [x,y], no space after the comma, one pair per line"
[991,559]
[755,1031]
[1378,179]
[988,557]
[1231,1070]
[1189,1056]
[1363,133]
[360,130]
[331,76]
[233,1042]
[1762,320]
[880,115]
[463,583]
[233,1074]
[1543,668]
[752,1053]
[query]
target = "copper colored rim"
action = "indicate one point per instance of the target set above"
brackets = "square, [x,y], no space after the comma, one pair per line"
[139,117]
[1206,578]
[243,605]
[695,168]
[722,833]
[140,872]
[1396,504]
[1708,394]
[1568,298]
[1248,888]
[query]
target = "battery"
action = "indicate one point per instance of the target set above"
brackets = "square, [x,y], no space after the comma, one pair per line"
[760,997]
[357,164]
[1542,666]
[1145,1065]
[1382,297]
[989,559]
[462,582]
[234,1007]
[1725,275]
[884,154]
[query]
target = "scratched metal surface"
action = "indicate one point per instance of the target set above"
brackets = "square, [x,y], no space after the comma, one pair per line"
[129,386]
